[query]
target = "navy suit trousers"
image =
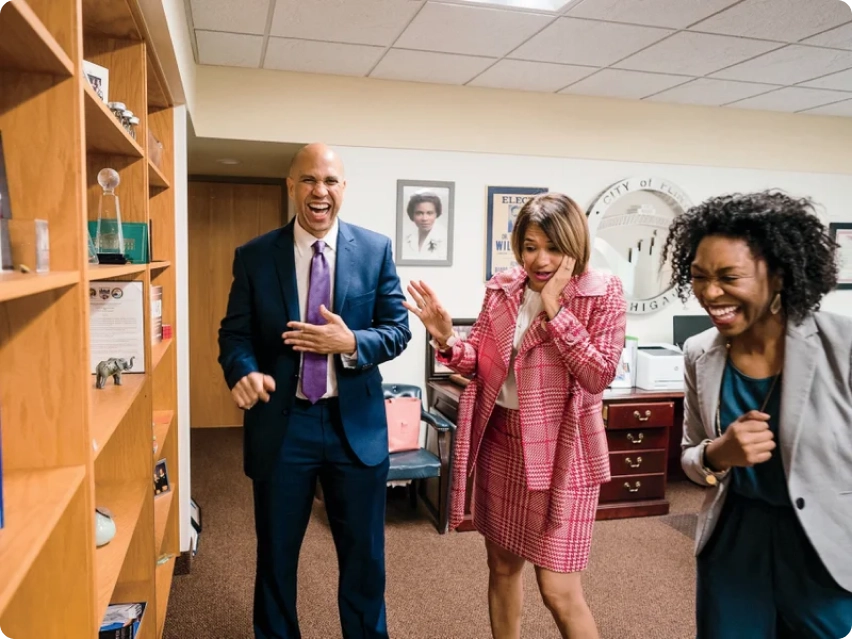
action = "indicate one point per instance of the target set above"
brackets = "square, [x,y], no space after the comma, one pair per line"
[315,447]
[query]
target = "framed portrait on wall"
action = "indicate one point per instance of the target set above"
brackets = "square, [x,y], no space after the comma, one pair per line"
[434,369]
[424,223]
[841,232]
[504,204]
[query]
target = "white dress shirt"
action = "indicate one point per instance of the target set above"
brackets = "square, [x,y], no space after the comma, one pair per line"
[303,246]
[531,306]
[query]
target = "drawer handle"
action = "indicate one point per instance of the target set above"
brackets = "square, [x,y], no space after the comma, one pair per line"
[635,489]
[639,416]
[635,440]
[631,464]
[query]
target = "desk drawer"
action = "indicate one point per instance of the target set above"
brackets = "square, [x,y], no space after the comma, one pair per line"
[639,462]
[639,415]
[634,488]
[637,439]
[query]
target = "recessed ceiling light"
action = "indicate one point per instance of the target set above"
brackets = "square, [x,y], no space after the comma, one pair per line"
[228,161]
[539,5]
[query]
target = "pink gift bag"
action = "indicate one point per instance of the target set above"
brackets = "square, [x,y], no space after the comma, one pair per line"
[403,423]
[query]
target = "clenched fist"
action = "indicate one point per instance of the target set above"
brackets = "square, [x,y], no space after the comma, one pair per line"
[251,388]
[746,442]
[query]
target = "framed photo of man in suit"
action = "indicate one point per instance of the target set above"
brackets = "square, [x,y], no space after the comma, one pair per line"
[424,223]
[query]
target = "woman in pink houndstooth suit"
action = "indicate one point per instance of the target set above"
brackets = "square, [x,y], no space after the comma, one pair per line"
[544,347]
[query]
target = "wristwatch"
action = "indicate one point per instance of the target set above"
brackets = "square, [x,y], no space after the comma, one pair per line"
[710,477]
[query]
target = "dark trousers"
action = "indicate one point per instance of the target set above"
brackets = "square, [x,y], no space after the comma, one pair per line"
[759,577]
[315,447]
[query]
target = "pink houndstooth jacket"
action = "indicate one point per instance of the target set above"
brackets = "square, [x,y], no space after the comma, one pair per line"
[562,368]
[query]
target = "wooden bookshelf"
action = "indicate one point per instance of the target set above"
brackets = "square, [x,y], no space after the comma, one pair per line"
[67,446]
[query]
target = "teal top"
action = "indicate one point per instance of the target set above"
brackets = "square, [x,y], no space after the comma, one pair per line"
[740,394]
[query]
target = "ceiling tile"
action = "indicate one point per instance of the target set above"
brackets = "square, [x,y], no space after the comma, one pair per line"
[309,56]
[841,81]
[784,20]
[424,66]
[574,41]
[790,99]
[707,92]
[677,14]
[695,54]
[789,65]
[615,83]
[450,28]
[228,49]
[376,22]
[839,38]
[839,108]
[530,76]
[246,16]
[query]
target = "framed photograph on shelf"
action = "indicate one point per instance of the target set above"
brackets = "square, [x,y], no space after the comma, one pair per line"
[98,77]
[424,222]
[841,232]
[434,369]
[161,478]
[504,204]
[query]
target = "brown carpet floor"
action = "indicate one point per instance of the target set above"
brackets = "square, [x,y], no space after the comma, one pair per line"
[640,582]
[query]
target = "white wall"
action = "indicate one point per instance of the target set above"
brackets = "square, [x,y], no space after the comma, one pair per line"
[370,201]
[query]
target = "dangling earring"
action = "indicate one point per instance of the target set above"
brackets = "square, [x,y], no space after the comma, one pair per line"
[775,306]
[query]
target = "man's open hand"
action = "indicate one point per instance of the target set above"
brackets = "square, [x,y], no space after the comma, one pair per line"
[333,337]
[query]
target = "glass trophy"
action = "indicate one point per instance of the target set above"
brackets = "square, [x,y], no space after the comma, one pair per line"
[93,253]
[109,236]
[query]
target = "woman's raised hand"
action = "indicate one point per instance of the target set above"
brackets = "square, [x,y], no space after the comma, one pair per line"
[428,308]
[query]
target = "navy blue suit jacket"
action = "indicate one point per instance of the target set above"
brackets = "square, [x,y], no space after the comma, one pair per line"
[263,298]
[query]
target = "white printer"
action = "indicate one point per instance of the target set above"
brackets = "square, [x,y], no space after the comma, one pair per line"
[659,367]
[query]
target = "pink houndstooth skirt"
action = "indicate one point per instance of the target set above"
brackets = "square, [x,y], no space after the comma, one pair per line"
[515,518]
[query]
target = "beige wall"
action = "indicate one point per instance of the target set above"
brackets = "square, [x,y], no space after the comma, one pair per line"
[252,104]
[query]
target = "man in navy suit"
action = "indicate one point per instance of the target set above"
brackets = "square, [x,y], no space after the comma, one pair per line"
[314,308]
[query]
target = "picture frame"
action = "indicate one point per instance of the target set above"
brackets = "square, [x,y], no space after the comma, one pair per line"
[434,369]
[98,78]
[841,233]
[504,204]
[425,211]
[162,485]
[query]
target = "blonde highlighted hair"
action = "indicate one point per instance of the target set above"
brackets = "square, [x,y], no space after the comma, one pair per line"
[563,222]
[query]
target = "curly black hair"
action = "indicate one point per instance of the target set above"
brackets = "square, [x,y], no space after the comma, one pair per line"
[784,231]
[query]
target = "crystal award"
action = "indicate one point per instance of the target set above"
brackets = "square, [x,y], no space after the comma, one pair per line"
[109,237]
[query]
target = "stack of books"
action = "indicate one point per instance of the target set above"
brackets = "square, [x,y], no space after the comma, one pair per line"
[121,621]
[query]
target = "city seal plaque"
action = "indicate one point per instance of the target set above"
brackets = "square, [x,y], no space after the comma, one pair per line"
[628,224]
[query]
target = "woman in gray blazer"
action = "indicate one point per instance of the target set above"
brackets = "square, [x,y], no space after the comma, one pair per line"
[767,419]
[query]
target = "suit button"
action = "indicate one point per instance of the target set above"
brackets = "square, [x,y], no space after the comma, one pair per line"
[800,503]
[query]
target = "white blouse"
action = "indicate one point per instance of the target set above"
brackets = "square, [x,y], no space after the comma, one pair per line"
[531,306]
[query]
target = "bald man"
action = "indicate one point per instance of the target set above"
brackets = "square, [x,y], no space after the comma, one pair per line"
[314,308]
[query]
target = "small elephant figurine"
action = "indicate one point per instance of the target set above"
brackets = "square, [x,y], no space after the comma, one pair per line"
[113,367]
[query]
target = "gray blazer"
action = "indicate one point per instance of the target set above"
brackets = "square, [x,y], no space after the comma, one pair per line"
[815,431]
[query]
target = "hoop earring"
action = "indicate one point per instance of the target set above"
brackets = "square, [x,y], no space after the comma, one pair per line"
[775,306]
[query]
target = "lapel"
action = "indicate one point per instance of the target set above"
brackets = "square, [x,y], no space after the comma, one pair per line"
[345,267]
[504,316]
[801,353]
[285,265]
[709,368]
[589,284]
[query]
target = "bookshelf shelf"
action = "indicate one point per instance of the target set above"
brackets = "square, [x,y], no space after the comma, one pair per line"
[125,501]
[156,178]
[162,507]
[162,424]
[14,285]
[104,134]
[98,272]
[34,501]
[158,351]
[160,265]
[27,45]
[110,404]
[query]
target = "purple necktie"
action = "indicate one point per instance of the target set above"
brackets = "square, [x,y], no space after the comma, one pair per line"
[315,365]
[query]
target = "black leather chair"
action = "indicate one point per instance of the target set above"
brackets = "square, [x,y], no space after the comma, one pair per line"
[417,465]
